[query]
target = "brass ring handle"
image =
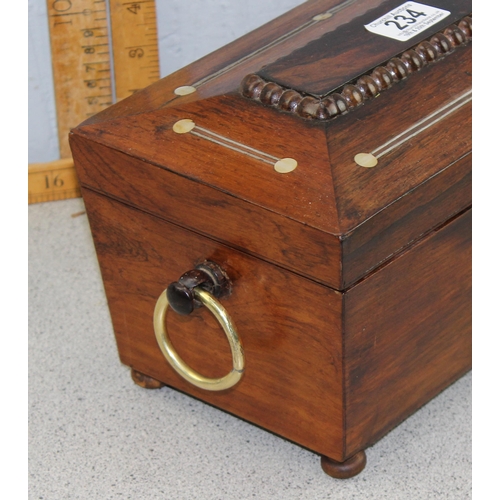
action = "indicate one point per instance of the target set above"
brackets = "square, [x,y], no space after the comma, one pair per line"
[175,361]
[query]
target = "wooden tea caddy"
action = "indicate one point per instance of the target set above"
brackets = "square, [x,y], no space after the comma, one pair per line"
[310,184]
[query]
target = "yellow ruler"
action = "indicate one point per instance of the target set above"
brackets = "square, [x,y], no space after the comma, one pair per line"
[135,45]
[86,45]
[81,62]
[52,181]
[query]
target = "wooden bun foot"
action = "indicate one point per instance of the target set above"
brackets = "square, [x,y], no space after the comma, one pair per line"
[344,470]
[144,381]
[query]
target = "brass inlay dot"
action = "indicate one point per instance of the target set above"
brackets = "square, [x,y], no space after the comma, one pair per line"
[366,160]
[183,126]
[185,90]
[285,165]
[322,17]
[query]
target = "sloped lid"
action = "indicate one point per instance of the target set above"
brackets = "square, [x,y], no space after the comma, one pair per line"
[313,117]
[350,50]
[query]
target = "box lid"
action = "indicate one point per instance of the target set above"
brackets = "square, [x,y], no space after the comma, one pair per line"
[315,142]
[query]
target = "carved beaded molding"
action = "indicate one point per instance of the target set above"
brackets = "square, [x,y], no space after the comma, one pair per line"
[364,88]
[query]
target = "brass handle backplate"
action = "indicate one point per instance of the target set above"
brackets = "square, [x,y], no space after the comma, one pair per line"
[196,289]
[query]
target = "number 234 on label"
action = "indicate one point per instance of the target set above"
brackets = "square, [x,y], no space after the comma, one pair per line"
[406,21]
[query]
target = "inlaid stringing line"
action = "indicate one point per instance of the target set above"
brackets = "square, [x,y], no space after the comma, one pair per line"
[235,146]
[232,147]
[418,131]
[281,165]
[423,124]
[235,143]
[272,44]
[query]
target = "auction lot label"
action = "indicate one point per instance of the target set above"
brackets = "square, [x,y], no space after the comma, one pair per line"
[406,21]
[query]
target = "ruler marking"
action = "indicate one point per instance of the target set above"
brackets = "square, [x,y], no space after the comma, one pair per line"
[142,46]
[72,14]
[134,35]
[73,32]
[85,26]
[95,62]
[143,1]
[51,181]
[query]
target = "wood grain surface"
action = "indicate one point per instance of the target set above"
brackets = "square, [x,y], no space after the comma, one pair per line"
[415,214]
[350,50]
[407,333]
[381,203]
[224,69]
[401,329]
[363,192]
[351,94]
[318,217]
[293,379]
[351,285]
[204,209]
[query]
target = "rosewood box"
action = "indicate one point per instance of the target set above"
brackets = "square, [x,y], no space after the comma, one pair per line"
[284,226]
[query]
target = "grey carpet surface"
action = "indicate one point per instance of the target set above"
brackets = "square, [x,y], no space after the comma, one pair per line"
[94,434]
